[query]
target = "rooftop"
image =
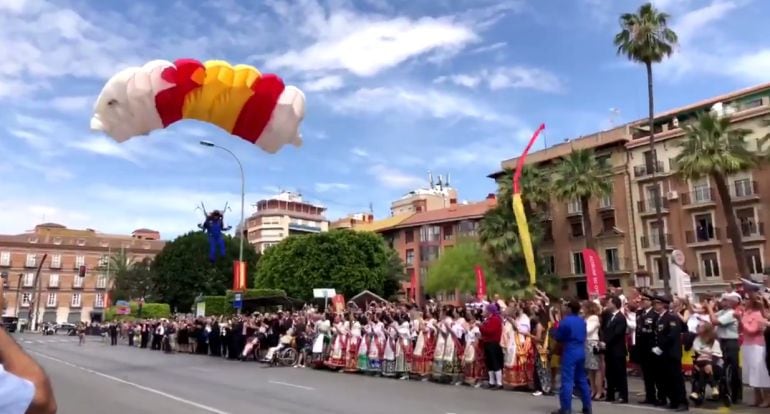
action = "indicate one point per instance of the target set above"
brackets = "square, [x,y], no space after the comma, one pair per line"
[379,225]
[57,234]
[456,212]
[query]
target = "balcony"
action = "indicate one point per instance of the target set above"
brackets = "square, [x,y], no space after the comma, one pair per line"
[76,284]
[617,265]
[647,169]
[648,206]
[750,230]
[744,190]
[701,197]
[713,235]
[652,242]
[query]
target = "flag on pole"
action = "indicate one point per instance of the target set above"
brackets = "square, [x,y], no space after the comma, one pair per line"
[239,276]
[521,217]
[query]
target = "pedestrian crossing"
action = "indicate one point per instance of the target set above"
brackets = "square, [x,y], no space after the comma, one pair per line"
[45,340]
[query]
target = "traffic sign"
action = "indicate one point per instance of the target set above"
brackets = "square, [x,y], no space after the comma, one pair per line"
[238,301]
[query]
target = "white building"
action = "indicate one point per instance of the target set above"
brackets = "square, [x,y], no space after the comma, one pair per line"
[285,214]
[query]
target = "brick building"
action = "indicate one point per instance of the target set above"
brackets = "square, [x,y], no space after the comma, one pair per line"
[64,296]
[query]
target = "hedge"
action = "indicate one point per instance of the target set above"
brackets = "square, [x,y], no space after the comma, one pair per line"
[149,311]
[255,293]
[217,305]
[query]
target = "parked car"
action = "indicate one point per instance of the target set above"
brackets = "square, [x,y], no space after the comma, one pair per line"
[9,323]
[65,328]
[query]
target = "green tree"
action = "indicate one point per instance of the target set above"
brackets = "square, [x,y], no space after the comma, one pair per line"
[182,271]
[711,148]
[137,282]
[456,269]
[646,38]
[116,268]
[580,176]
[344,260]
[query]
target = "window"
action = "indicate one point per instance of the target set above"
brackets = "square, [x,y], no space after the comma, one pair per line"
[701,191]
[650,161]
[29,279]
[448,232]
[747,221]
[608,223]
[754,261]
[75,302]
[743,187]
[548,231]
[101,282]
[77,282]
[430,233]
[550,264]
[574,206]
[80,261]
[576,228]
[652,192]
[709,263]
[578,266]
[104,260]
[606,200]
[26,299]
[409,236]
[56,261]
[5,258]
[428,253]
[657,268]
[704,227]
[612,260]
[53,280]
[99,300]
[468,228]
[409,257]
[51,302]
[31,260]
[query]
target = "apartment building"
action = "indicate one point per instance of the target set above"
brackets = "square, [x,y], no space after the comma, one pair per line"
[351,221]
[439,194]
[64,296]
[611,216]
[281,216]
[694,220]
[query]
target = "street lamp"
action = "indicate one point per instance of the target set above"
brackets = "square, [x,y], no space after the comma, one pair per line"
[243,191]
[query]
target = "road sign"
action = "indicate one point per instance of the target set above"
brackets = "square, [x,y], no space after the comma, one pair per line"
[238,301]
[324,293]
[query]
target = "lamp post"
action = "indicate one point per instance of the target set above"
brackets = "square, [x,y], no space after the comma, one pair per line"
[243,191]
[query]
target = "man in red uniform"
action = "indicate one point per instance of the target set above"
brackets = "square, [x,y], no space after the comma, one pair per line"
[491,331]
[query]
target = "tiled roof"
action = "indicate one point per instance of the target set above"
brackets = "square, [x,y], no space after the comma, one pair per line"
[58,235]
[454,213]
[383,224]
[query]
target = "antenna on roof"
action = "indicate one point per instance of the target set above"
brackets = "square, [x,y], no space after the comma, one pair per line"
[371,207]
[447,179]
[430,178]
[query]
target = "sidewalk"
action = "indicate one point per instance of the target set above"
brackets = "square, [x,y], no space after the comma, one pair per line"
[636,393]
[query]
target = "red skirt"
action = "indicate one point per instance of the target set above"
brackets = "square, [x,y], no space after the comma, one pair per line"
[351,362]
[476,369]
[422,365]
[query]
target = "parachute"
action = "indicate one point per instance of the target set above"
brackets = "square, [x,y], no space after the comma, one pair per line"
[256,107]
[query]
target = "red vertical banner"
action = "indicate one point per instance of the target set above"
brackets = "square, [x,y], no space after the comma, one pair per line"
[596,284]
[339,303]
[239,276]
[413,284]
[481,283]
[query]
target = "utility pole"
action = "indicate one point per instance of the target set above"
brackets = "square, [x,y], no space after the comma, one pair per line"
[35,310]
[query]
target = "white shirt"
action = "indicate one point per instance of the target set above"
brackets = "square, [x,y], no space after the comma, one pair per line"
[16,393]
[592,328]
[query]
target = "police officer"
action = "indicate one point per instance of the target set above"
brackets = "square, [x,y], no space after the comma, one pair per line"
[667,349]
[646,320]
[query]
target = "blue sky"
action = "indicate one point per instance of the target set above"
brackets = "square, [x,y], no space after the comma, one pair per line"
[394,88]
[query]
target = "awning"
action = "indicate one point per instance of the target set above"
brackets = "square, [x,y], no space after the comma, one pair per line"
[49,316]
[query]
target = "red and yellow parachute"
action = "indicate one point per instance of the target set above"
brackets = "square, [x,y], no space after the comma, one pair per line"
[239,99]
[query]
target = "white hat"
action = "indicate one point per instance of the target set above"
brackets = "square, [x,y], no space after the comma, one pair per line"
[731,296]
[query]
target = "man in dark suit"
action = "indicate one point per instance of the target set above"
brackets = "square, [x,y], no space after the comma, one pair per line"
[646,321]
[668,352]
[613,336]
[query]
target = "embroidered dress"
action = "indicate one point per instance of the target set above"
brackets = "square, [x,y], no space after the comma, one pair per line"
[389,356]
[422,360]
[542,368]
[363,349]
[320,343]
[403,349]
[442,337]
[354,343]
[519,367]
[473,357]
[376,347]
[339,346]
[453,349]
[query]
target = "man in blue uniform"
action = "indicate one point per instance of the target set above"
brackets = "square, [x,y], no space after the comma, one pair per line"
[572,335]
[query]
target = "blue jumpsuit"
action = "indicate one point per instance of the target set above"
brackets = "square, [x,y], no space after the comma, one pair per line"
[572,335]
[213,228]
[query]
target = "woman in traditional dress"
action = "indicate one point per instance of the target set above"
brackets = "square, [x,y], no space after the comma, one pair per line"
[354,343]
[363,348]
[473,356]
[339,343]
[519,364]
[389,354]
[404,349]
[442,337]
[424,347]
[376,345]
[540,336]
[453,349]
[321,341]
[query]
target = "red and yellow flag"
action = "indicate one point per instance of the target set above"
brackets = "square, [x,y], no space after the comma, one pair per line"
[521,217]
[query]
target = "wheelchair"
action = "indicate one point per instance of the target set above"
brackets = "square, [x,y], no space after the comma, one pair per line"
[285,357]
[722,374]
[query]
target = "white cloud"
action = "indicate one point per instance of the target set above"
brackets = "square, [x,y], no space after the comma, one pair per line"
[394,178]
[33,139]
[325,83]
[365,45]
[103,146]
[359,152]
[754,66]
[326,187]
[489,48]
[72,103]
[519,77]
[420,103]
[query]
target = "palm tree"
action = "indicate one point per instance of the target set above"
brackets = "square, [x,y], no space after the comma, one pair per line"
[646,38]
[535,189]
[580,176]
[119,266]
[712,149]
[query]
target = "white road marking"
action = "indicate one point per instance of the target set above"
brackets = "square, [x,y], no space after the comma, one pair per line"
[40,342]
[27,341]
[286,384]
[135,385]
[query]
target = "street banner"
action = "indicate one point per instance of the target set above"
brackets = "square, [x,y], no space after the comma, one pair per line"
[239,276]
[413,285]
[339,303]
[595,282]
[481,283]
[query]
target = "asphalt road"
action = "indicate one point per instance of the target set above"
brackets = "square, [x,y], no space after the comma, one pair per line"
[98,378]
